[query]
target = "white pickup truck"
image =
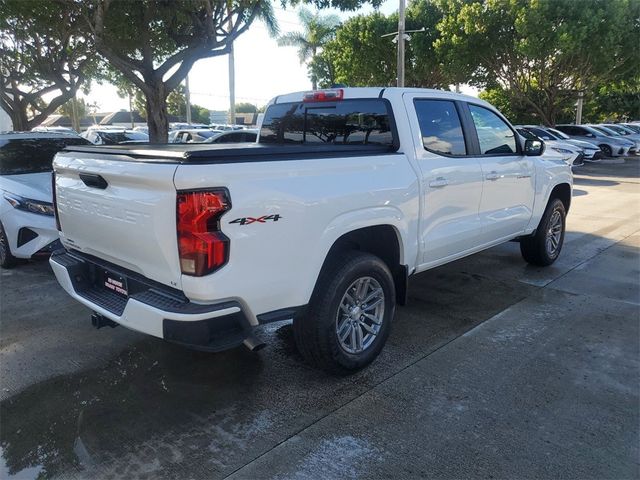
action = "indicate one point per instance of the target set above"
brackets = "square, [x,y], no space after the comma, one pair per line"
[346,194]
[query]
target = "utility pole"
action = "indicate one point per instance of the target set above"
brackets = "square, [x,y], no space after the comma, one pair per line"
[232,73]
[187,97]
[232,88]
[401,35]
[130,110]
[579,107]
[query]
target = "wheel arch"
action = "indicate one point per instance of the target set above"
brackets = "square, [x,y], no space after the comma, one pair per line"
[561,191]
[382,240]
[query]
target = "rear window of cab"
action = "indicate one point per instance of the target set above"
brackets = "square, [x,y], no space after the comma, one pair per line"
[346,122]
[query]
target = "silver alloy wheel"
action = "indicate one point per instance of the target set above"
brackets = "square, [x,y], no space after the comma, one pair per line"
[554,234]
[360,315]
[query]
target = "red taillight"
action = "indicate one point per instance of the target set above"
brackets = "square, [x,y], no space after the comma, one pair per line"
[202,246]
[55,203]
[324,96]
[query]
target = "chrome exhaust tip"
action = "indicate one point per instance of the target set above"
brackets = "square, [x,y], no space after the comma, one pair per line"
[253,343]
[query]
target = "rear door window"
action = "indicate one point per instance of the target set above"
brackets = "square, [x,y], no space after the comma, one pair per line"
[494,135]
[440,126]
[346,122]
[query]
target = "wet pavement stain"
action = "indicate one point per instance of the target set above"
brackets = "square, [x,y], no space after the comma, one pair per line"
[161,411]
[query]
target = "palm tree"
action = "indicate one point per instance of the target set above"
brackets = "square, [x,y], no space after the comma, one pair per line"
[317,30]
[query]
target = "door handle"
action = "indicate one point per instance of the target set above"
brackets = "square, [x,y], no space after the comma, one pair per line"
[93,180]
[439,182]
[493,176]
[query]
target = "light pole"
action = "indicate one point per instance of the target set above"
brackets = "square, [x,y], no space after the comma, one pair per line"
[401,34]
[187,97]
[579,107]
[399,37]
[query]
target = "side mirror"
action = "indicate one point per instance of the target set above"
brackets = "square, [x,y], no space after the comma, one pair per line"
[533,148]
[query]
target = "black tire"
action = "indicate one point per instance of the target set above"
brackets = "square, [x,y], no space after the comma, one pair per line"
[7,260]
[606,151]
[316,329]
[539,249]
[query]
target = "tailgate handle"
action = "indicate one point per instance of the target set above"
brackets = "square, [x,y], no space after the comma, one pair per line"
[93,180]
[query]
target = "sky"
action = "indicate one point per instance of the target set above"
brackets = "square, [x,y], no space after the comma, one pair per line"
[263,69]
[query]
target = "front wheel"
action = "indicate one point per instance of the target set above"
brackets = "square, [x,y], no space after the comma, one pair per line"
[543,248]
[606,151]
[7,260]
[348,319]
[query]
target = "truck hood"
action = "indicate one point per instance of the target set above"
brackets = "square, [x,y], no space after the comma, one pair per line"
[36,186]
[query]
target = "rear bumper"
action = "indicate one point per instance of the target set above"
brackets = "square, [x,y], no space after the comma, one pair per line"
[153,308]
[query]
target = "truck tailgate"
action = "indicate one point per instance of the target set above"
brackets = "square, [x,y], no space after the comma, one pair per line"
[121,211]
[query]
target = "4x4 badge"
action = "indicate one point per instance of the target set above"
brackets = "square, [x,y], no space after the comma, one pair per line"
[262,219]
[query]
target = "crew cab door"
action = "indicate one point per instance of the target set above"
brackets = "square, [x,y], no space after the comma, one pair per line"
[451,179]
[508,192]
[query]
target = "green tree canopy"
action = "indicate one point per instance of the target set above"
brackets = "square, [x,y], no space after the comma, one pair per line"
[360,55]
[154,43]
[540,52]
[43,53]
[245,107]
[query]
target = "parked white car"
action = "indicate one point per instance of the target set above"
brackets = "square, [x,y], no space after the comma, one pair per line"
[624,132]
[606,130]
[191,135]
[27,225]
[569,153]
[114,136]
[346,195]
[610,145]
[591,151]
[55,130]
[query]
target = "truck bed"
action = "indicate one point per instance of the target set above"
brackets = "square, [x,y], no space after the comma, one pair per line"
[232,153]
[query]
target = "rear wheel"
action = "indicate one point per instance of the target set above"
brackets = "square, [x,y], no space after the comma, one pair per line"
[7,260]
[543,248]
[348,319]
[606,150]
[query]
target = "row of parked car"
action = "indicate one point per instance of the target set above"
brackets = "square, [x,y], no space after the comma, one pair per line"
[108,135]
[579,143]
[26,212]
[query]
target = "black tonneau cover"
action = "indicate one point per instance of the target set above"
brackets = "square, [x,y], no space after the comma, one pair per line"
[228,153]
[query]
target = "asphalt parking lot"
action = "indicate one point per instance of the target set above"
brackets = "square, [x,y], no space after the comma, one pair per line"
[495,369]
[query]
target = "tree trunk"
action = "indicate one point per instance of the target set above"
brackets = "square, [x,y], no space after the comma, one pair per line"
[19,119]
[157,117]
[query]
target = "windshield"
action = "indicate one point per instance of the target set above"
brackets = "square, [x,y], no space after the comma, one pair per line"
[606,131]
[527,134]
[120,137]
[618,129]
[543,134]
[32,155]
[635,128]
[558,133]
